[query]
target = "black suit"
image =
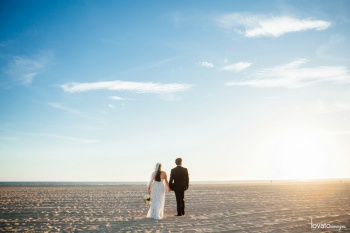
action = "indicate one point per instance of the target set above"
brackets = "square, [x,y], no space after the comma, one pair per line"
[178,182]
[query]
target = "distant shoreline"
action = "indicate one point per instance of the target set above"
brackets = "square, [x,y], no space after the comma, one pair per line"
[94,183]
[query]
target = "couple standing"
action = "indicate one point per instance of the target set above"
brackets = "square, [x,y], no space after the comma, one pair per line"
[178,183]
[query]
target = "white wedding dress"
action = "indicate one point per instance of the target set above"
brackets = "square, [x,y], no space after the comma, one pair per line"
[156,210]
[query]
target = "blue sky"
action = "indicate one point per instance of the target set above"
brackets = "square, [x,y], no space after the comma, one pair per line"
[103,90]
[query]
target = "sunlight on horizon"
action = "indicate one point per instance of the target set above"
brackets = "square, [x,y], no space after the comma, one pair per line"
[302,153]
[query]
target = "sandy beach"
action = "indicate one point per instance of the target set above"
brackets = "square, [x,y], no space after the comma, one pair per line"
[209,208]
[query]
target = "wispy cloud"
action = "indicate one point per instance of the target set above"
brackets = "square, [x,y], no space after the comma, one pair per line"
[116,98]
[237,66]
[205,64]
[71,111]
[264,25]
[24,69]
[139,87]
[333,49]
[64,108]
[293,75]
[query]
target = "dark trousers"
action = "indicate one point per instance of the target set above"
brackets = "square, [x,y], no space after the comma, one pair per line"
[180,201]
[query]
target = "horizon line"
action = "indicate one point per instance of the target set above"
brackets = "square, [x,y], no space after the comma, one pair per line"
[196,181]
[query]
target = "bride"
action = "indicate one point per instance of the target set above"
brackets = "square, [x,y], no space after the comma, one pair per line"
[156,189]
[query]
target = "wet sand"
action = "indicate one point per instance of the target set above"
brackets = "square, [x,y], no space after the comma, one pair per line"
[209,208]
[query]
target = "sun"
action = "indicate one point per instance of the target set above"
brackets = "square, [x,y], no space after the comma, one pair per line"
[300,153]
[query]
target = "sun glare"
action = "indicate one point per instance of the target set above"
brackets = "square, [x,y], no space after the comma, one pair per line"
[301,153]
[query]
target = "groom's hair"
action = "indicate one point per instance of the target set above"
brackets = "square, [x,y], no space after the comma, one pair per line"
[178,161]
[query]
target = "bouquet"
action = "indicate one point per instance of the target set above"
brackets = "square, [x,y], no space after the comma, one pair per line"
[147,199]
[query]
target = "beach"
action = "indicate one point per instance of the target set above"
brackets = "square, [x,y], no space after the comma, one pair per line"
[292,207]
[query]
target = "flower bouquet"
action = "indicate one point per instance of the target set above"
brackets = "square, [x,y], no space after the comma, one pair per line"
[147,199]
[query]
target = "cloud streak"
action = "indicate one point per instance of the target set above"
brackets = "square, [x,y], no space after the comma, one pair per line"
[25,69]
[294,75]
[71,110]
[205,64]
[116,98]
[269,26]
[237,66]
[138,87]
[64,108]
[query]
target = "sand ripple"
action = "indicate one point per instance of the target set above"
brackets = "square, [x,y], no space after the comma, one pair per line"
[209,208]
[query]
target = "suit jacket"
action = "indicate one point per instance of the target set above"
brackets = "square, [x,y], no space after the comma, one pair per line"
[179,179]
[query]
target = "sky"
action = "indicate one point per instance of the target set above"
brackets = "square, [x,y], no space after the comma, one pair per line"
[241,90]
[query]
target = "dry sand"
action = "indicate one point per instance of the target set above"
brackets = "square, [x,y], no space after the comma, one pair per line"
[209,208]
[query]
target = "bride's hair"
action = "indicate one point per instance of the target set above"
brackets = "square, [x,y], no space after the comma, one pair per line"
[157,178]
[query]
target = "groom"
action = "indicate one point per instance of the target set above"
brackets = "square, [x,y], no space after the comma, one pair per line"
[179,183]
